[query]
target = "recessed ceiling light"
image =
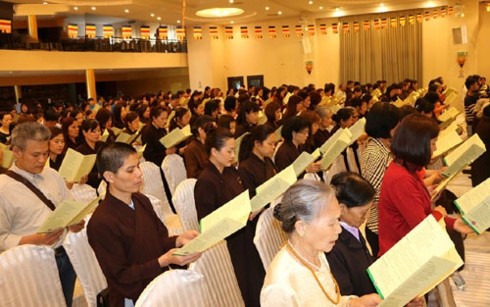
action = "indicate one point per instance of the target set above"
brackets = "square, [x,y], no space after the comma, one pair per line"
[219,12]
[159,18]
[232,22]
[231,1]
[45,2]
[267,8]
[93,8]
[279,12]
[381,4]
[126,11]
[310,2]
[337,9]
[152,15]
[178,21]
[75,8]
[320,8]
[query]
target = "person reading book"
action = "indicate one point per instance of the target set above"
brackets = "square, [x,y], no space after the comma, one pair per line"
[29,192]
[404,199]
[217,184]
[91,133]
[152,133]
[300,274]
[129,240]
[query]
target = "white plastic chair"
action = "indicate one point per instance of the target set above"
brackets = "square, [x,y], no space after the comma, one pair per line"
[174,169]
[185,204]
[83,192]
[153,185]
[351,161]
[269,237]
[176,288]
[85,264]
[29,277]
[215,265]
[172,221]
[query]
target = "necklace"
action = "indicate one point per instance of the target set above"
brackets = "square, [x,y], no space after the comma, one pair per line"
[311,268]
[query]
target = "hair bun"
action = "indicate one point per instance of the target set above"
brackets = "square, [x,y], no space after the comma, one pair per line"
[277,211]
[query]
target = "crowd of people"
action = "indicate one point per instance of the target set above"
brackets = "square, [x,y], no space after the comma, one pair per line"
[324,262]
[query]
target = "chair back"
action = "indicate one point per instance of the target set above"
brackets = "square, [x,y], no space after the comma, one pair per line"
[174,169]
[85,264]
[153,185]
[176,288]
[185,204]
[171,221]
[29,277]
[215,265]
[83,192]
[269,237]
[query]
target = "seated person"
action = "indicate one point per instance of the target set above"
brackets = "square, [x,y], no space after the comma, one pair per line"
[129,240]
[22,212]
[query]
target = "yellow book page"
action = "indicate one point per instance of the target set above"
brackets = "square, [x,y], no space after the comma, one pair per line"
[70,165]
[62,216]
[238,209]
[450,98]
[450,113]
[461,149]
[273,188]
[399,103]
[238,142]
[116,130]
[141,150]
[305,159]
[397,267]
[466,158]
[475,207]
[7,156]
[335,150]
[357,130]
[332,139]
[104,136]
[90,208]
[124,137]
[446,141]
[176,136]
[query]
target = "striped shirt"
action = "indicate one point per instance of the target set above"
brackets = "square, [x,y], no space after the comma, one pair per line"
[375,160]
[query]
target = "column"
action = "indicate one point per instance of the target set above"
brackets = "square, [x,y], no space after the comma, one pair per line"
[90,82]
[18,93]
[32,27]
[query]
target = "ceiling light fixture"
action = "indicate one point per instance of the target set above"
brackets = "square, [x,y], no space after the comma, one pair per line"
[267,8]
[159,18]
[219,12]
[75,8]
[45,2]
[231,1]
[126,11]
[152,15]
[93,8]
[310,2]
[320,8]
[279,12]
[232,22]
[178,21]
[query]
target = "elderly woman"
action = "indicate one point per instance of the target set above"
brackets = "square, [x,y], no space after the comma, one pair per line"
[300,275]
[129,240]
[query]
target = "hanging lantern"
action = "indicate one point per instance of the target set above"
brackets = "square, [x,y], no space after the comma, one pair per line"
[309,67]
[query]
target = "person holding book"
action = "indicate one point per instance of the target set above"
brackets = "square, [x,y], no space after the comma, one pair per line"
[104,117]
[6,119]
[152,133]
[300,274]
[181,118]
[323,134]
[480,169]
[248,116]
[196,157]
[56,146]
[29,192]
[129,240]
[91,145]
[217,184]
[404,199]
[71,133]
[350,257]
[274,115]
[381,122]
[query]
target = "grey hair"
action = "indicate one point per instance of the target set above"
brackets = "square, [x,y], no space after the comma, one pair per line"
[322,111]
[29,131]
[303,201]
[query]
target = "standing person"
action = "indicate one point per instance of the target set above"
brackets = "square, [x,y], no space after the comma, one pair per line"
[404,200]
[217,184]
[473,86]
[350,258]
[129,240]
[300,274]
[152,133]
[323,134]
[56,146]
[248,117]
[381,123]
[23,211]
[91,145]
[6,119]
[71,132]
[196,157]
[480,170]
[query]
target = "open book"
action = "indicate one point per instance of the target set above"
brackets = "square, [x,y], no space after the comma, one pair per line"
[305,159]
[357,130]
[448,139]
[416,264]
[218,225]
[399,103]
[464,155]
[273,188]
[76,165]
[104,136]
[449,115]
[334,146]
[474,206]
[176,136]
[127,138]
[69,212]
[7,156]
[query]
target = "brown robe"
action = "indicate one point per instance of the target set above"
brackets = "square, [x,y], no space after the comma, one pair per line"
[254,171]
[286,155]
[214,189]
[195,157]
[154,150]
[127,244]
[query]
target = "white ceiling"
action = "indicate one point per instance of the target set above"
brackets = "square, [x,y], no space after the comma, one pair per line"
[171,11]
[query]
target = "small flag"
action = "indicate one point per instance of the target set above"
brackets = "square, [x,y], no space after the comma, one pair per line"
[427,15]
[258,32]
[244,31]
[163,32]
[443,12]
[145,32]
[384,23]
[345,27]
[72,29]
[285,31]
[356,26]
[335,28]
[411,20]
[393,22]
[419,18]
[298,30]
[272,32]
[435,14]
[213,32]
[403,21]
[90,30]
[108,31]
[126,32]
[197,32]
[311,30]
[450,10]
[376,24]
[229,32]
[180,31]
[323,28]
[367,25]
